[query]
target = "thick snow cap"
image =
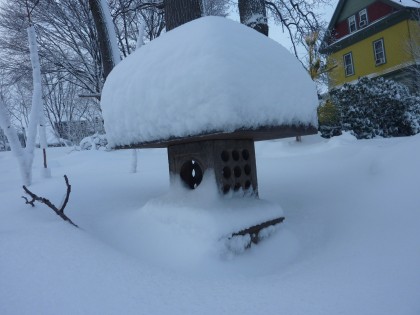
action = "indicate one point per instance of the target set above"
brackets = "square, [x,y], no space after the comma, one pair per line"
[209,75]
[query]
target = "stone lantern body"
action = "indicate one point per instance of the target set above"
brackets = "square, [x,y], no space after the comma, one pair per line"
[206,91]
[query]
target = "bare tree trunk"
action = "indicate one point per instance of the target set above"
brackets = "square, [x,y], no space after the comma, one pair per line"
[14,143]
[37,103]
[109,60]
[253,13]
[46,172]
[178,12]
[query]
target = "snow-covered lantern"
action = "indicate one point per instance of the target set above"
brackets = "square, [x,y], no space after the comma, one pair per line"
[207,90]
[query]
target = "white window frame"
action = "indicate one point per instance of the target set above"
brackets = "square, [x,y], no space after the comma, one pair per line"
[379,52]
[348,67]
[363,17]
[352,22]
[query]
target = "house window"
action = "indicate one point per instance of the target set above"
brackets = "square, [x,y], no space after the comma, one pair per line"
[379,51]
[352,24]
[363,18]
[348,64]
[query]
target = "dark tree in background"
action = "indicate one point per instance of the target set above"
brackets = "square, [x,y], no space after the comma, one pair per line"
[103,36]
[70,58]
[253,13]
[72,43]
[178,12]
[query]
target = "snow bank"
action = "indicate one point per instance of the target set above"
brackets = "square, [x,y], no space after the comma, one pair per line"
[349,244]
[95,142]
[211,74]
[201,219]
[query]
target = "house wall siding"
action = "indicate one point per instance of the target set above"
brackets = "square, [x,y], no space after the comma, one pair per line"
[397,49]
[414,43]
[378,10]
[375,9]
[353,6]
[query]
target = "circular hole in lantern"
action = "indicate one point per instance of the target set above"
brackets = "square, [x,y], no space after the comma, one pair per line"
[225,156]
[247,169]
[235,155]
[237,186]
[226,172]
[247,184]
[245,155]
[191,173]
[226,188]
[237,171]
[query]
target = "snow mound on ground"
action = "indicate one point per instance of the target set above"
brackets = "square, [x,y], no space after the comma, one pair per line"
[94,142]
[188,231]
[211,74]
[199,222]
[349,244]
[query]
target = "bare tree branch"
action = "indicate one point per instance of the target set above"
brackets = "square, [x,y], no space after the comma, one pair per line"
[58,211]
[298,17]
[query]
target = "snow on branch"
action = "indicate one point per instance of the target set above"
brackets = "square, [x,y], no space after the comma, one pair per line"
[58,211]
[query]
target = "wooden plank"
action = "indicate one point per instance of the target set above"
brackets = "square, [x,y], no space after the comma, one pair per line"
[254,231]
[262,133]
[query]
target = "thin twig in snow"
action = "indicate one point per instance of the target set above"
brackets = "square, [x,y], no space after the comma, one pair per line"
[59,212]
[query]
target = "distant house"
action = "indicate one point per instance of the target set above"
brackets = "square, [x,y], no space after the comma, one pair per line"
[374,38]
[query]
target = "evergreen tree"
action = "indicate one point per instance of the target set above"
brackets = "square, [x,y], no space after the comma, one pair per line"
[329,123]
[377,107]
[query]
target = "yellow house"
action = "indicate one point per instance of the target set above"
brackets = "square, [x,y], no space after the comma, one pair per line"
[374,38]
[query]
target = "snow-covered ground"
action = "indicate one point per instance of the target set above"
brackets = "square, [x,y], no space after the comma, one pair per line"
[350,243]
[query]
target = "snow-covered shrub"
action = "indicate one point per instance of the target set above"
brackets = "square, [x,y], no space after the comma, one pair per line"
[4,145]
[377,107]
[413,114]
[329,124]
[94,142]
[75,131]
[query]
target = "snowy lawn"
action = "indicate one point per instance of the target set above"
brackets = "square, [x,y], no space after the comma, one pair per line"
[350,243]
